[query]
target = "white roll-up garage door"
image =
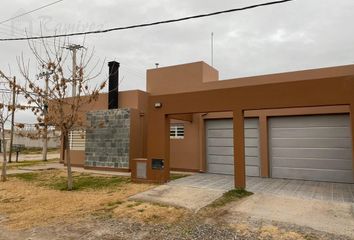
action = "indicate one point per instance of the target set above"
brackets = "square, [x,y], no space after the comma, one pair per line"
[219,146]
[317,147]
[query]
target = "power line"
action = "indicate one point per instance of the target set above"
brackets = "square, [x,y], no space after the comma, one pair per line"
[19,32]
[146,24]
[34,10]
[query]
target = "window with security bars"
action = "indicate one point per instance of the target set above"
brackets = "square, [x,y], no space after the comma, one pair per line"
[77,140]
[176,131]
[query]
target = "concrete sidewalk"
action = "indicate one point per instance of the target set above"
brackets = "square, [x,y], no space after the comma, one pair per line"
[31,157]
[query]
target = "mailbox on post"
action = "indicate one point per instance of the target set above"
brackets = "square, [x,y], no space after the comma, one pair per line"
[151,170]
[157,164]
[17,148]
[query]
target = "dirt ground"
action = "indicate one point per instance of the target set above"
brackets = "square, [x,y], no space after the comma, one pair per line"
[329,216]
[187,227]
[29,211]
[26,205]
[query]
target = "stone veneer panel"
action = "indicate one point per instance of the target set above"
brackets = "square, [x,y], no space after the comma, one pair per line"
[108,138]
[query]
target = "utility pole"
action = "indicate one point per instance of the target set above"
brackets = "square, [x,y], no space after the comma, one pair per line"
[212,49]
[74,48]
[12,118]
[45,143]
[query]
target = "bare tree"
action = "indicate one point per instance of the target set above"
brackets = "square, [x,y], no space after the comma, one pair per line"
[48,90]
[6,111]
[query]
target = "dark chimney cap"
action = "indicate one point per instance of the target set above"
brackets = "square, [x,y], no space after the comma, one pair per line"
[113,64]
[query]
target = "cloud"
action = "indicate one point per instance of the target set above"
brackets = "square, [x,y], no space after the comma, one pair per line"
[286,37]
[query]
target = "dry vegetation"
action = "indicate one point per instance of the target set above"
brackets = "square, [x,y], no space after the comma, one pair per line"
[35,199]
[99,207]
[267,232]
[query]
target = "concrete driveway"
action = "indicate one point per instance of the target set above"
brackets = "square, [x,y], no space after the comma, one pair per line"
[193,192]
[322,206]
[198,190]
[327,191]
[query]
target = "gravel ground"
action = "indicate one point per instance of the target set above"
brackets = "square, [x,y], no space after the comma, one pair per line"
[190,228]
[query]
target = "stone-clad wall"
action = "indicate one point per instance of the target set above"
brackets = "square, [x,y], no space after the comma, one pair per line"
[108,138]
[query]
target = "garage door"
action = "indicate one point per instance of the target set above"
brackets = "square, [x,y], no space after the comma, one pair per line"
[219,146]
[311,148]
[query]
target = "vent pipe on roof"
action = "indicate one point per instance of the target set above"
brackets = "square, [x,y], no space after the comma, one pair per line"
[113,85]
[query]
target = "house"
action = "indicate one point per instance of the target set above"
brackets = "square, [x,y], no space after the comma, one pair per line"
[295,125]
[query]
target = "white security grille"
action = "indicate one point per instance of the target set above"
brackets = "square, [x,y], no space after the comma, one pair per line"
[77,140]
[177,131]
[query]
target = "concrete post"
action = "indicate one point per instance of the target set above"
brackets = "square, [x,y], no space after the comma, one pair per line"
[239,149]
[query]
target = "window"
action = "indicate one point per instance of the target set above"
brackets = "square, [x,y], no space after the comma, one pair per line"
[77,140]
[176,131]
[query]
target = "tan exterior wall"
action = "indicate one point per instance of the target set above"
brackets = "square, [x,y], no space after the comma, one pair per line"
[185,152]
[136,139]
[188,154]
[180,78]
[77,158]
[313,88]
[199,76]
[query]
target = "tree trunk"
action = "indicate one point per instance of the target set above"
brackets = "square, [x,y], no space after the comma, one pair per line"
[12,119]
[3,171]
[68,163]
[45,143]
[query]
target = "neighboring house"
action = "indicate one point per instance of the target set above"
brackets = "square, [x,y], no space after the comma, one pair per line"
[295,125]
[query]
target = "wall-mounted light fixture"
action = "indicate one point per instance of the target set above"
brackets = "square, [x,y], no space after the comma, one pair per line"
[158,105]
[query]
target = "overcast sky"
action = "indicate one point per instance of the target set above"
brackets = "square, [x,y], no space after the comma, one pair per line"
[298,35]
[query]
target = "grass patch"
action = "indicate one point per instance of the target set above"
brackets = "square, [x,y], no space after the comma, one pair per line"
[89,182]
[175,176]
[37,150]
[29,163]
[28,177]
[55,179]
[230,196]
